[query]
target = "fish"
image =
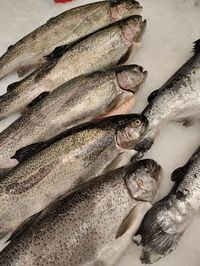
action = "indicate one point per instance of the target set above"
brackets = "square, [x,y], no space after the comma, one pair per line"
[168,219]
[64,29]
[177,100]
[48,170]
[81,228]
[98,51]
[80,100]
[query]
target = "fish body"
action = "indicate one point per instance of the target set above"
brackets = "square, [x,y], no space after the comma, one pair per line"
[76,229]
[79,100]
[177,100]
[165,223]
[98,51]
[61,30]
[62,163]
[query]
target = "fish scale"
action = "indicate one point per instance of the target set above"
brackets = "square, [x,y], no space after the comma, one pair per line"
[58,165]
[73,103]
[177,100]
[63,29]
[165,223]
[77,229]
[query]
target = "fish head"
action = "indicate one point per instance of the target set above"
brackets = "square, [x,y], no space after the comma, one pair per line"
[143,180]
[130,77]
[124,8]
[133,29]
[130,132]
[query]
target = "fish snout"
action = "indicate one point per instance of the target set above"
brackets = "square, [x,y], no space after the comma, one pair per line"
[131,77]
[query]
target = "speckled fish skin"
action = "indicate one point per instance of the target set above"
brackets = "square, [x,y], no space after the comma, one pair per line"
[177,100]
[77,101]
[165,223]
[66,161]
[63,29]
[74,230]
[100,50]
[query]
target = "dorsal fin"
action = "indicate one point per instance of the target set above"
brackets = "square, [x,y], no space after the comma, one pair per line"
[28,151]
[12,86]
[197,47]
[23,226]
[56,53]
[10,47]
[125,57]
[153,95]
[38,99]
[50,20]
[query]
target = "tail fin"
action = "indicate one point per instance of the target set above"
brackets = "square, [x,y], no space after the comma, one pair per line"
[156,232]
[197,47]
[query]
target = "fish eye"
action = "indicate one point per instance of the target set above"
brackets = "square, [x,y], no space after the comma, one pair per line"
[135,20]
[137,122]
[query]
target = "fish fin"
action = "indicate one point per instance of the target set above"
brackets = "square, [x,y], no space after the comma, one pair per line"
[3,172]
[50,20]
[156,238]
[137,156]
[177,177]
[12,86]
[38,99]
[113,164]
[124,105]
[125,57]
[110,254]
[197,47]
[28,151]
[153,95]
[45,69]
[23,70]
[133,219]
[23,226]
[4,234]
[188,122]
[56,53]
[10,47]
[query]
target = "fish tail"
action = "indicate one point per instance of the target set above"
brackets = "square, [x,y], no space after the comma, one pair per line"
[197,47]
[157,239]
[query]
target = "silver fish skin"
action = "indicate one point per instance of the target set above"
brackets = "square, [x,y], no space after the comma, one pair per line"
[79,100]
[63,29]
[62,163]
[75,230]
[166,222]
[98,51]
[177,100]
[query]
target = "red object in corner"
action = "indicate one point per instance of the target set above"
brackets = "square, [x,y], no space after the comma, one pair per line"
[62,1]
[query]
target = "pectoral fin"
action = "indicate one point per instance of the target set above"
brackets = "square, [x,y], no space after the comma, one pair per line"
[28,151]
[38,99]
[113,251]
[23,70]
[153,95]
[22,227]
[125,57]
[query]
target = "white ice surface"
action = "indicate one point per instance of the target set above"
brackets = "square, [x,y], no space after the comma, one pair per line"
[172,27]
